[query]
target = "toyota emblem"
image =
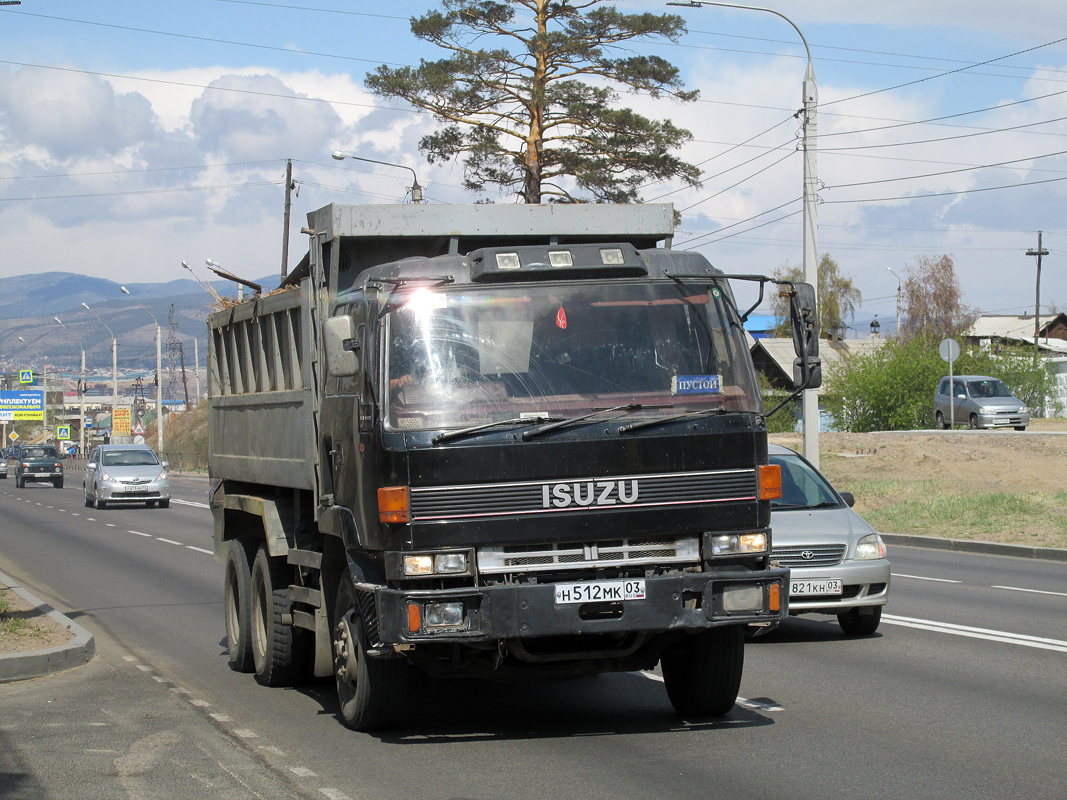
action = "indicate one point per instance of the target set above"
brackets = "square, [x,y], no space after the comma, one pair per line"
[807,555]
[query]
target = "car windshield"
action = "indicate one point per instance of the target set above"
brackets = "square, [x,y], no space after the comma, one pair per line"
[128,458]
[461,357]
[39,452]
[990,388]
[802,486]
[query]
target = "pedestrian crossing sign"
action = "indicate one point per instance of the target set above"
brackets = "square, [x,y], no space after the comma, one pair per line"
[63,431]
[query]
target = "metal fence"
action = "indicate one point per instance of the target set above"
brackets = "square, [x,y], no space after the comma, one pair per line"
[177,462]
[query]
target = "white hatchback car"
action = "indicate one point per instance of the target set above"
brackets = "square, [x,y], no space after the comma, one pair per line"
[126,473]
[837,561]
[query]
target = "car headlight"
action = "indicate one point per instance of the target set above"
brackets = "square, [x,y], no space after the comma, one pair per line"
[725,544]
[162,476]
[1024,410]
[869,548]
[107,478]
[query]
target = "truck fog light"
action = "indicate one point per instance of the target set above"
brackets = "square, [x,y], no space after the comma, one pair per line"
[445,563]
[724,544]
[444,615]
[742,598]
[752,542]
[418,565]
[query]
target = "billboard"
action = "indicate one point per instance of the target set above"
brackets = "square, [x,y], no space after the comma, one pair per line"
[120,422]
[21,405]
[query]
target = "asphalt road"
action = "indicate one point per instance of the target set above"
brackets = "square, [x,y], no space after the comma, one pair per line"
[963,692]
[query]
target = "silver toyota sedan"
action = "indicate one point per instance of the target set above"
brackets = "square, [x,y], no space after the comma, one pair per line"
[126,473]
[837,561]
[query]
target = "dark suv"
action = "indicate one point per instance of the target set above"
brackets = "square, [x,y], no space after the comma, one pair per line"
[38,462]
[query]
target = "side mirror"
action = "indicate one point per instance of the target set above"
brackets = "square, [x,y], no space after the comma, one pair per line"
[165,464]
[804,321]
[339,335]
[849,498]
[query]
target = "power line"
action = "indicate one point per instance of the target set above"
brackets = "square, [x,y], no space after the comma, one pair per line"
[129,171]
[946,172]
[947,138]
[948,194]
[142,191]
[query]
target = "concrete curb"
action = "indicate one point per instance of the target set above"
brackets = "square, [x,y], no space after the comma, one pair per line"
[79,650]
[983,548]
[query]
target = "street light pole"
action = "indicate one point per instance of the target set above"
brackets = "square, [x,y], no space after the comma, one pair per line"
[1040,251]
[416,190]
[81,389]
[898,298]
[809,125]
[114,367]
[159,374]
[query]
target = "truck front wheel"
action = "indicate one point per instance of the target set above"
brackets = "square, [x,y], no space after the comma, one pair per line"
[703,675]
[237,596]
[370,691]
[276,649]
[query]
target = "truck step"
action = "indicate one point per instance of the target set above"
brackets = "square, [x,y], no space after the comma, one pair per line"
[302,619]
[304,594]
[305,558]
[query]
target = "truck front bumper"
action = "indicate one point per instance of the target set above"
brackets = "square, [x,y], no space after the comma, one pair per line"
[678,602]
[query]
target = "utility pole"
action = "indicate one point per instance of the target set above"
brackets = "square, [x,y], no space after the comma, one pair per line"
[285,225]
[185,379]
[1040,251]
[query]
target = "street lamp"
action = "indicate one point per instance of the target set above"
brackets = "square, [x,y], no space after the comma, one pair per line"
[44,384]
[898,298]
[207,286]
[159,374]
[81,389]
[875,326]
[810,94]
[216,267]
[416,190]
[114,367]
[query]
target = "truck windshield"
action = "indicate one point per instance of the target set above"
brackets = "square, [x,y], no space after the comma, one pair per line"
[463,356]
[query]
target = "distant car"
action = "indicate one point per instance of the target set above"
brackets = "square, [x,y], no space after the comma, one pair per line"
[125,473]
[837,561]
[40,463]
[3,468]
[979,402]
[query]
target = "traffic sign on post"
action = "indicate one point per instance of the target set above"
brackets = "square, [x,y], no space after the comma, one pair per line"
[25,376]
[13,436]
[63,431]
[950,351]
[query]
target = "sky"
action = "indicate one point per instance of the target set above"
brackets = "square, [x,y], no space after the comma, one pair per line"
[136,135]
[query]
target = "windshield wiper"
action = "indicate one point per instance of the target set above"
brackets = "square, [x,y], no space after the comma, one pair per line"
[500,423]
[527,435]
[649,423]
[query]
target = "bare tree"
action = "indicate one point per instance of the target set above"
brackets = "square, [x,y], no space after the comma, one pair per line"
[838,296]
[933,301]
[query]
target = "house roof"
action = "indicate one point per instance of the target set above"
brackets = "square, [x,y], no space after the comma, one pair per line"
[780,350]
[1009,326]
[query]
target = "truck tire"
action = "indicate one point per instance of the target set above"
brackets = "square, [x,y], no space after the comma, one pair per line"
[276,650]
[370,691]
[702,677]
[855,624]
[237,599]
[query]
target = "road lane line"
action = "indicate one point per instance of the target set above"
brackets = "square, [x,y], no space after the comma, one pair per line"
[201,550]
[168,541]
[741,701]
[1032,591]
[189,503]
[141,534]
[977,633]
[922,578]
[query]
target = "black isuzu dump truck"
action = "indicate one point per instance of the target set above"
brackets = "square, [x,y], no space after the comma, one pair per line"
[511,442]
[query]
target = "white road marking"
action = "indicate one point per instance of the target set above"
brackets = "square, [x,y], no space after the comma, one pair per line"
[977,633]
[111,524]
[220,718]
[1032,591]
[141,534]
[201,550]
[244,733]
[168,541]
[196,701]
[302,772]
[923,578]
[335,794]
[189,503]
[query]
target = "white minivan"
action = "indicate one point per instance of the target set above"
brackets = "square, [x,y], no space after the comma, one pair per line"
[979,401]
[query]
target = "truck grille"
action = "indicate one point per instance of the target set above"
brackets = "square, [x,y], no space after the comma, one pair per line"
[819,555]
[617,553]
[580,495]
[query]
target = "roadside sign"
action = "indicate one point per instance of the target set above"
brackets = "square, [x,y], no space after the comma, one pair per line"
[25,376]
[63,431]
[88,422]
[12,436]
[138,428]
[21,405]
[949,350]
[120,422]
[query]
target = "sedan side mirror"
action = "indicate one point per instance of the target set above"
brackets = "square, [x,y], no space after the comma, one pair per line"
[165,464]
[849,499]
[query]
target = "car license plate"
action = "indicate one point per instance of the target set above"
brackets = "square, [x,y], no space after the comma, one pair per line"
[817,586]
[599,592]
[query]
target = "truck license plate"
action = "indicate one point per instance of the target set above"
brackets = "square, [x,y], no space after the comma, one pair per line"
[599,591]
[817,586]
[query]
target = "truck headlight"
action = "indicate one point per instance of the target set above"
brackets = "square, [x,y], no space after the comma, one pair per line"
[869,548]
[418,565]
[742,598]
[450,563]
[725,544]
[435,564]
[444,615]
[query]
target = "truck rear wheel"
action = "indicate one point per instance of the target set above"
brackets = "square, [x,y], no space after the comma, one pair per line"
[370,691]
[276,648]
[703,676]
[237,596]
